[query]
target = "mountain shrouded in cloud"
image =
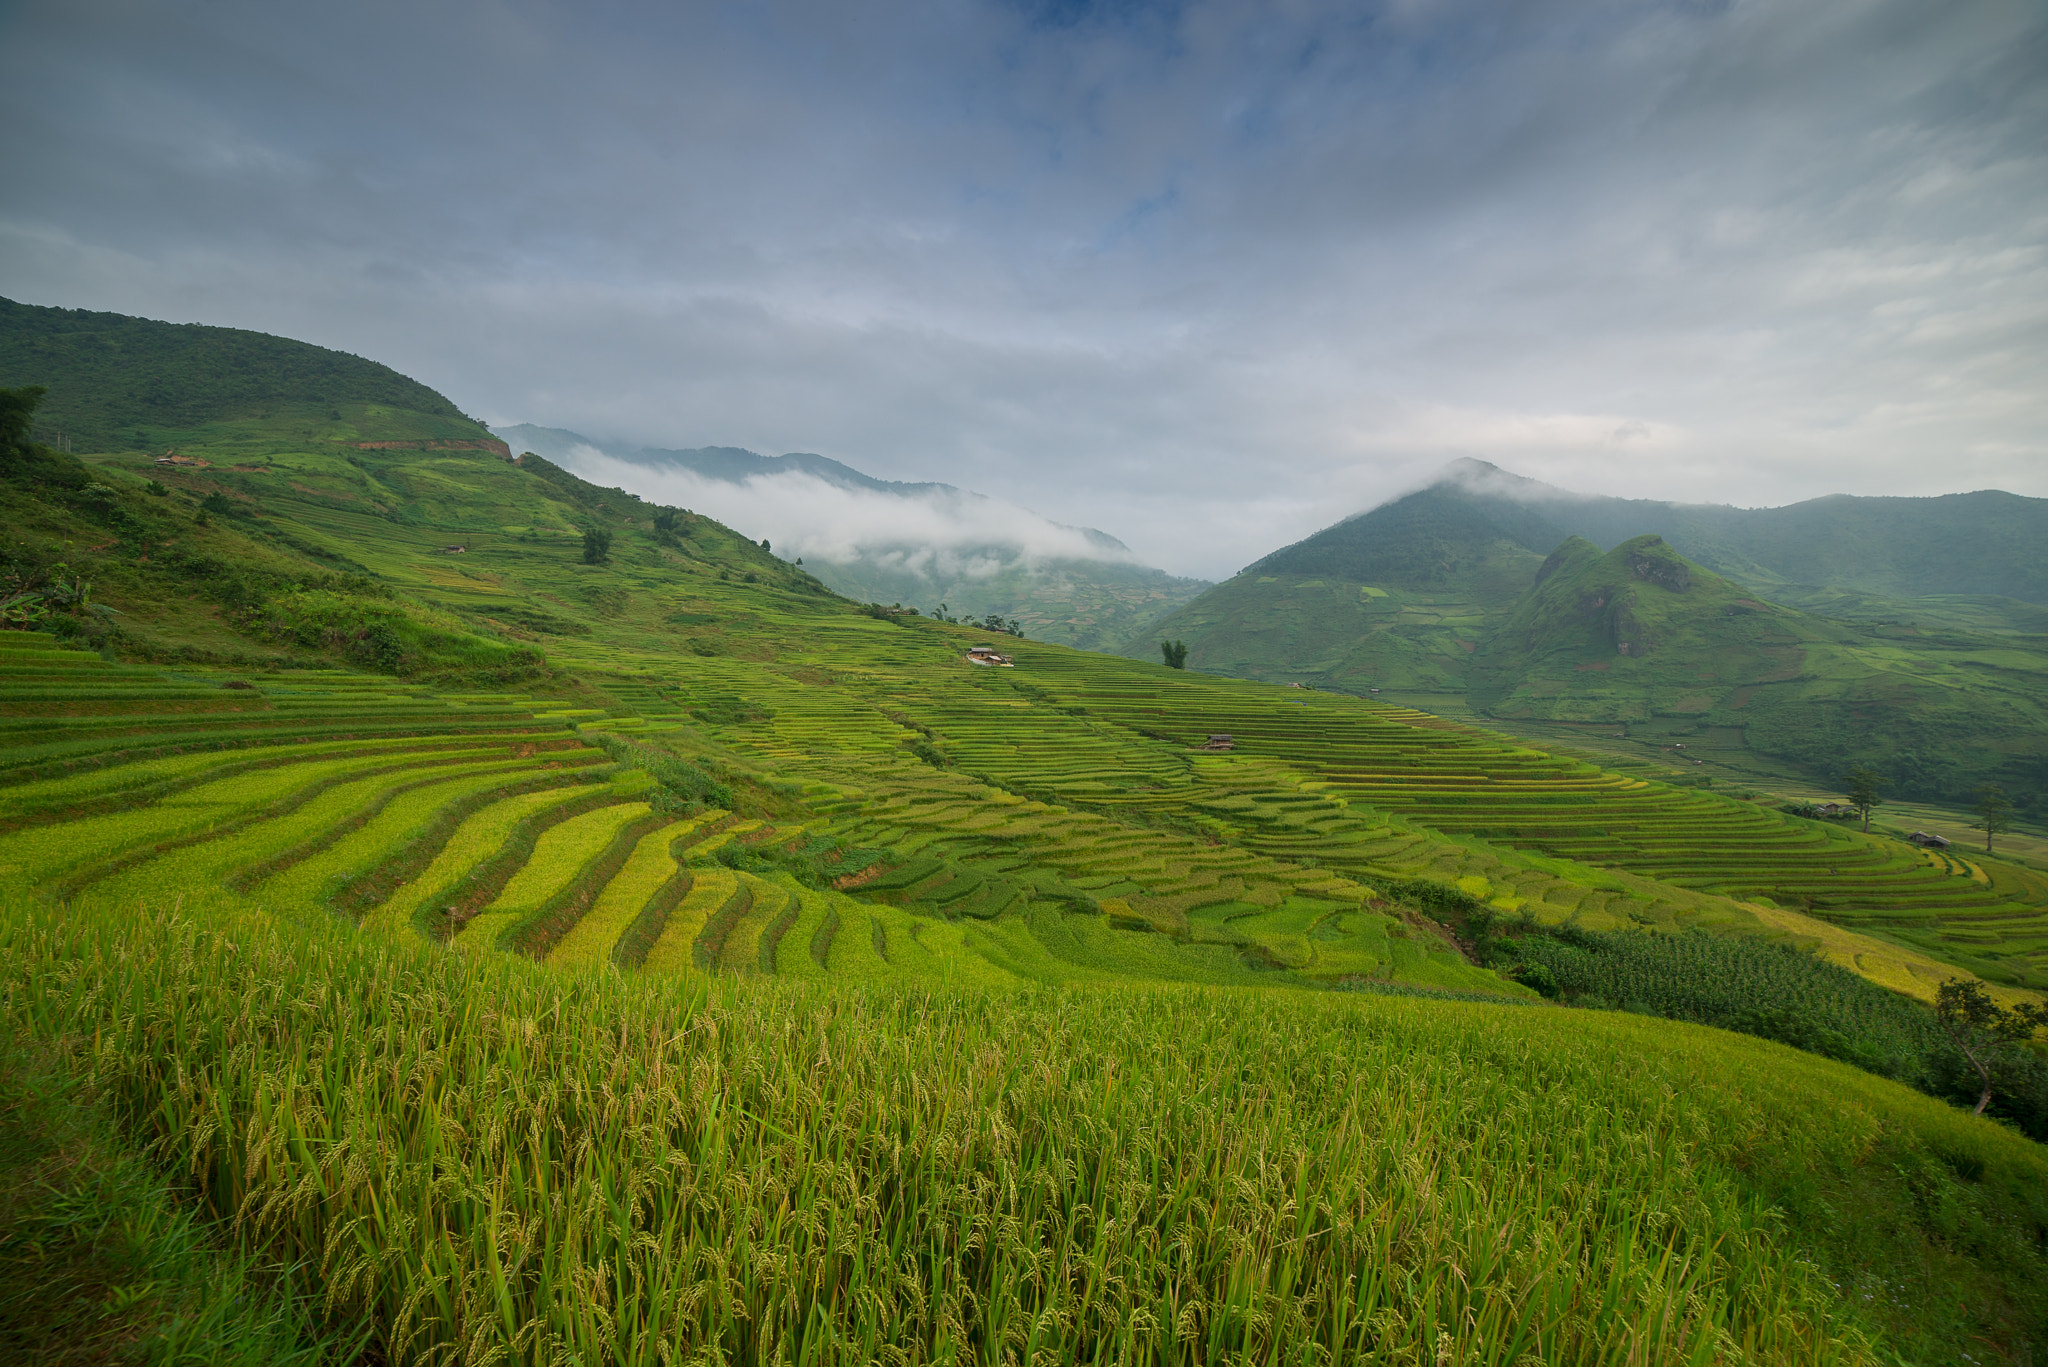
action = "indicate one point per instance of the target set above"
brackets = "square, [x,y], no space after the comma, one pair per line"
[922,545]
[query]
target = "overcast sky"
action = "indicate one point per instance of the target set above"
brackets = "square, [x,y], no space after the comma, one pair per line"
[1206,275]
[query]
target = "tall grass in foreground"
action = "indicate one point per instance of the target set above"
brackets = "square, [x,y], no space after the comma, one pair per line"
[98,1261]
[498,1163]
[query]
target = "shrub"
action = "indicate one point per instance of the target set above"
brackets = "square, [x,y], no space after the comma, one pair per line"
[383,635]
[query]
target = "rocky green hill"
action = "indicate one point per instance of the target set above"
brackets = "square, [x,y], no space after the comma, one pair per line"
[1474,588]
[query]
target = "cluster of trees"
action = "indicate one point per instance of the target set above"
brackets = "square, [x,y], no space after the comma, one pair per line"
[993,622]
[1992,807]
[22,460]
[1175,654]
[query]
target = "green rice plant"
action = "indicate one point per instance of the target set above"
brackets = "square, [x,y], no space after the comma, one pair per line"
[134,785]
[483,882]
[560,855]
[633,947]
[1166,1175]
[100,1261]
[278,838]
[710,945]
[817,924]
[772,934]
[675,949]
[1775,992]
[47,853]
[542,928]
[652,866]
[306,876]
[451,845]
[150,775]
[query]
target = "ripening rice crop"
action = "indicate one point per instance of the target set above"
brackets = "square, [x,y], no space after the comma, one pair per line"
[558,857]
[497,1161]
[590,940]
[478,837]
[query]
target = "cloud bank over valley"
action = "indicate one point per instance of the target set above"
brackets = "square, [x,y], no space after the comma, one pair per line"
[937,532]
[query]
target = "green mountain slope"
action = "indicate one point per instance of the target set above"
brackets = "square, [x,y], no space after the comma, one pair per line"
[1447,591]
[1983,544]
[1087,604]
[1396,598]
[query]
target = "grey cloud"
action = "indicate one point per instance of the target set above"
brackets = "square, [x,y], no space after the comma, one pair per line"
[1209,275]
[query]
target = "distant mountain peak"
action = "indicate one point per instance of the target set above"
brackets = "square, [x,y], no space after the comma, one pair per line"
[1488,480]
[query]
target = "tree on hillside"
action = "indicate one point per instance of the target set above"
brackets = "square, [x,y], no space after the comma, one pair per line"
[1994,812]
[22,461]
[17,417]
[1863,786]
[1175,653]
[1982,1029]
[597,546]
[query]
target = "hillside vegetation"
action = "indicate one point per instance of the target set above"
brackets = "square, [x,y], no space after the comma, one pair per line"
[120,383]
[602,943]
[1484,593]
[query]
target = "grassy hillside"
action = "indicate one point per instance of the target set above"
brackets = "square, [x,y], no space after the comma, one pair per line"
[1642,636]
[119,383]
[1087,604]
[1440,593]
[697,961]
[1397,598]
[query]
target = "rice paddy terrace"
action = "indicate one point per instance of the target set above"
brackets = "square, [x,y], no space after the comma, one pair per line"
[1056,822]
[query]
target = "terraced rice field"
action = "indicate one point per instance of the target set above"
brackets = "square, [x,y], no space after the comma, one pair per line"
[489,821]
[1087,769]
[1070,830]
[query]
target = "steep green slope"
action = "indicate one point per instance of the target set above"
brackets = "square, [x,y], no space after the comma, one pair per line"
[1087,604]
[1642,636]
[1976,544]
[1396,598]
